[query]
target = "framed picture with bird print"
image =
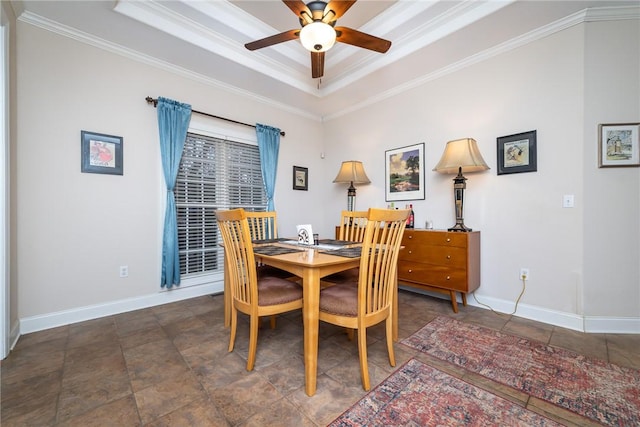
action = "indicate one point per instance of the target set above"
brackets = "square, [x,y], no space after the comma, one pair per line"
[517,153]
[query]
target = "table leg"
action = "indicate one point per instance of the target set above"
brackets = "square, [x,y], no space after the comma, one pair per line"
[310,315]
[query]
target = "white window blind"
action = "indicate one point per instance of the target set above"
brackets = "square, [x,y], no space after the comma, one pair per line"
[214,174]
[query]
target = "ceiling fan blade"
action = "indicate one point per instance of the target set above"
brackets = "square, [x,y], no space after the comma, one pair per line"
[300,9]
[338,7]
[271,40]
[317,64]
[359,39]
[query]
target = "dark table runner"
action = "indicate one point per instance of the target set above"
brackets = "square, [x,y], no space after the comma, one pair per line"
[274,250]
[336,242]
[260,242]
[345,252]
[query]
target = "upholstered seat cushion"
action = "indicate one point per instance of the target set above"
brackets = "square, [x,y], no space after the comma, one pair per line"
[267,270]
[353,274]
[340,299]
[274,290]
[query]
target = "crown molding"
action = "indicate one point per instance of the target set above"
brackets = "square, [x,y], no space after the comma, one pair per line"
[82,37]
[583,16]
[166,20]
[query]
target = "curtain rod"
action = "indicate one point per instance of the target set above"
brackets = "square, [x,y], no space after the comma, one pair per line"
[153,101]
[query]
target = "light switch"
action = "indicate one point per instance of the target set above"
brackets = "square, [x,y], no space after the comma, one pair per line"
[567,201]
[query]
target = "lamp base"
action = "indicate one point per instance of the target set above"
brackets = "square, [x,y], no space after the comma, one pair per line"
[460,227]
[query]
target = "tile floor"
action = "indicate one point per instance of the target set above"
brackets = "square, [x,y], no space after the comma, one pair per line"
[169,366]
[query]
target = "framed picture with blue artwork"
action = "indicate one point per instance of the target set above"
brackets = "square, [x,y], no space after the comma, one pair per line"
[100,153]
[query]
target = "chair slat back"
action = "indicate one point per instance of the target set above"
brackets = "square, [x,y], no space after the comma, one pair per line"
[379,261]
[263,225]
[240,258]
[352,225]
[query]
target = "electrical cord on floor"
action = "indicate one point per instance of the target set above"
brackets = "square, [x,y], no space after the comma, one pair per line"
[524,286]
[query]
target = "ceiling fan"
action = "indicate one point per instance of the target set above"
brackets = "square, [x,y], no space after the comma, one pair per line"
[319,33]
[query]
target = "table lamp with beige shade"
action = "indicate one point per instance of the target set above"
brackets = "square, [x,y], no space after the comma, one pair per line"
[352,172]
[460,155]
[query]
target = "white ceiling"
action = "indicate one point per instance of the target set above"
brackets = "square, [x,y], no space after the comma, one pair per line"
[205,40]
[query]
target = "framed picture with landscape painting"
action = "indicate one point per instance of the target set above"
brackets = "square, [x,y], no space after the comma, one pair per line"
[404,173]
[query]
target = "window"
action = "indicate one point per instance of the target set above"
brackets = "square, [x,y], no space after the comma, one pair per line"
[214,173]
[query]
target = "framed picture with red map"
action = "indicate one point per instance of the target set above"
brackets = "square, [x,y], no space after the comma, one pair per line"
[101,153]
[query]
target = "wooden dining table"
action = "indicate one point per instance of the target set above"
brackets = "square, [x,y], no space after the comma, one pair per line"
[311,265]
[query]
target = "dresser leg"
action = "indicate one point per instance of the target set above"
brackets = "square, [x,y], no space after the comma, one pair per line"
[464,298]
[454,301]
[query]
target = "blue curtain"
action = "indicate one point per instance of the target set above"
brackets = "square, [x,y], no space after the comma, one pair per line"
[173,122]
[269,146]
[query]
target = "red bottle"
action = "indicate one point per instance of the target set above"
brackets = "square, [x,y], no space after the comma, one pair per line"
[410,218]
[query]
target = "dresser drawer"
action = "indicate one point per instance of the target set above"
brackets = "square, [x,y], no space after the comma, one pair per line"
[433,275]
[448,256]
[434,238]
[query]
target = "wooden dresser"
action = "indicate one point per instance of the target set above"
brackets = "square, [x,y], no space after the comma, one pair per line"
[441,261]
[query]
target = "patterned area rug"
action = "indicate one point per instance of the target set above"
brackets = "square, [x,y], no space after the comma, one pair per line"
[592,388]
[419,395]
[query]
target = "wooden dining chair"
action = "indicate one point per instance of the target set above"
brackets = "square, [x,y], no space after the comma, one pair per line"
[371,301]
[253,296]
[264,226]
[352,227]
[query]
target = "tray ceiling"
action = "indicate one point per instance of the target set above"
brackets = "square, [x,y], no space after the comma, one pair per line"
[205,40]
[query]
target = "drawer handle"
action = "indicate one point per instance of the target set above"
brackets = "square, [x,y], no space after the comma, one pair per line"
[410,236]
[410,271]
[448,239]
[448,256]
[448,277]
[410,252]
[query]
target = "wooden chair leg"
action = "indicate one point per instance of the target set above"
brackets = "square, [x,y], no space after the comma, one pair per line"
[233,314]
[362,351]
[349,333]
[273,321]
[389,333]
[253,342]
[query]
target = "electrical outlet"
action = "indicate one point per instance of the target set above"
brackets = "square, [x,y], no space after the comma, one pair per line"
[524,274]
[568,201]
[124,271]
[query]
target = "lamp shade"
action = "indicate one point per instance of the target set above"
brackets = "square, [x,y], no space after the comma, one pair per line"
[461,153]
[317,36]
[352,171]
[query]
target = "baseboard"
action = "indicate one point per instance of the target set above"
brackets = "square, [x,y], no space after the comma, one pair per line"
[571,321]
[81,314]
[620,325]
[14,334]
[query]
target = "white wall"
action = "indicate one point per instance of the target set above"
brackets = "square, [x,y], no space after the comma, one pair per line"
[539,86]
[74,230]
[612,203]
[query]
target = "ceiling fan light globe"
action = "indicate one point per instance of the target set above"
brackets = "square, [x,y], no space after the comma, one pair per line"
[317,36]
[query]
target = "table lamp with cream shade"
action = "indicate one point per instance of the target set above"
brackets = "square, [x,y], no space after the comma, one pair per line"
[352,172]
[460,155]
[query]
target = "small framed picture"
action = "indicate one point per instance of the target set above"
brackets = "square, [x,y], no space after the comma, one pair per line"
[618,145]
[300,178]
[517,153]
[100,153]
[404,173]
